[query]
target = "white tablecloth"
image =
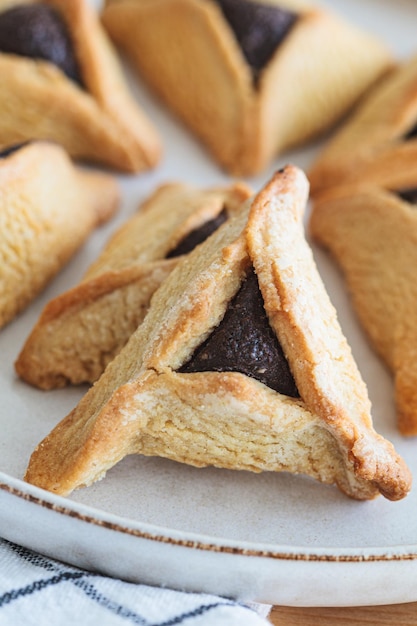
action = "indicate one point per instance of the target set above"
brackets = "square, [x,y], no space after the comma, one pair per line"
[40,591]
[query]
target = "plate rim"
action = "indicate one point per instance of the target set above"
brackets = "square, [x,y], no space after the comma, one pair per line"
[203,542]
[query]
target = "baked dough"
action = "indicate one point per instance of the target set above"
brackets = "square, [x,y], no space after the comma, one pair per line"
[145,403]
[81,330]
[188,53]
[372,234]
[377,143]
[100,122]
[48,207]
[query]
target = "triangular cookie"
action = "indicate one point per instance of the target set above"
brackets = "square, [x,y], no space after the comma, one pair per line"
[372,233]
[48,207]
[378,143]
[250,79]
[82,330]
[146,403]
[88,109]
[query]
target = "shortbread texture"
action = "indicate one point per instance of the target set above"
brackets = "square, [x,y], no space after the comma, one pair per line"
[80,331]
[142,404]
[372,234]
[48,208]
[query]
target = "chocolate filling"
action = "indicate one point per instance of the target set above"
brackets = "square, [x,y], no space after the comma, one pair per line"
[38,31]
[198,235]
[11,149]
[412,134]
[409,195]
[245,342]
[259,29]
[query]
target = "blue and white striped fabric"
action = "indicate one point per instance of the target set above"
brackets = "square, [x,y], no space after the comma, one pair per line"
[38,590]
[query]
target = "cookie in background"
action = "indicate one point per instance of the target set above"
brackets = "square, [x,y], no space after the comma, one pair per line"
[378,142]
[371,232]
[250,79]
[48,208]
[61,80]
[82,330]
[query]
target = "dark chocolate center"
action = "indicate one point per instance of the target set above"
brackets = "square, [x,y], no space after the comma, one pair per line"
[11,149]
[412,134]
[38,31]
[259,29]
[245,342]
[409,195]
[197,236]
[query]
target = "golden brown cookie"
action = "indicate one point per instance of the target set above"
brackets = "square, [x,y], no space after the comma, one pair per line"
[81,330]
[378,142]
[244,106]
[372,234]
[286,394]
[48,207]
[61,81]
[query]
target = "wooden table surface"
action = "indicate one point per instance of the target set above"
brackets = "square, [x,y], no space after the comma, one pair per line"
[392,615]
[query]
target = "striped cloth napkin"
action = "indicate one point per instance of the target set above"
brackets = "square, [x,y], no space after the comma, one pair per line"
[38,590]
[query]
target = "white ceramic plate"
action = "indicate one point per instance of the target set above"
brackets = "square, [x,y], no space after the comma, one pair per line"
[273,538]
